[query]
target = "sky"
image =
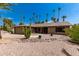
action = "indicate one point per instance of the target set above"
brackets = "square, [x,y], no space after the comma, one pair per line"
[71,10]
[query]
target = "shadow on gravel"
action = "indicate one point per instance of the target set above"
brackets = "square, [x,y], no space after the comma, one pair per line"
[65,52]
[23,40]
[73,42]
[70,42]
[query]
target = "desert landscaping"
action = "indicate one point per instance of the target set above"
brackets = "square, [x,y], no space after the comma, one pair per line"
[56,45]
[37,30]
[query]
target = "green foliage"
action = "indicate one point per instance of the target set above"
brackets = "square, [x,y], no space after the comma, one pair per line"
[42,22]
[73,33]
[64,17]
[4,28]
[5,6]
[21,23]
[7,24]
[46,20]
[27,33]
[53,19]
[10,30]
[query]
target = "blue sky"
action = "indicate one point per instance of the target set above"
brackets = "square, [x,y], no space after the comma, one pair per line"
[71,10]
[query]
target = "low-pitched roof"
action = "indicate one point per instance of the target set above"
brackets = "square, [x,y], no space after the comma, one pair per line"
[48,24]
[52,24]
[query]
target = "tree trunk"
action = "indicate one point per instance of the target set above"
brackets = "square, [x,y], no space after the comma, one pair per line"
[30,26]
[63,19]
[0,35]
[58,16]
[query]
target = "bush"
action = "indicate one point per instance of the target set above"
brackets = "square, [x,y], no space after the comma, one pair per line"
[11,32]
[73,33]
[51,34]
[27,33]
[39,36]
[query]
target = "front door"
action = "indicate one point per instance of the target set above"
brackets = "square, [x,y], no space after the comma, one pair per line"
[45,30]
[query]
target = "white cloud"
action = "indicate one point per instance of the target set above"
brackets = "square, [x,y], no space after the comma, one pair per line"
[49,21]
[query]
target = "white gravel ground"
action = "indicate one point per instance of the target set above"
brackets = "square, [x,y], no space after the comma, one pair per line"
[17,45]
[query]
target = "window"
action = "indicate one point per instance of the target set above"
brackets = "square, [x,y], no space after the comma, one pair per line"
[59,29]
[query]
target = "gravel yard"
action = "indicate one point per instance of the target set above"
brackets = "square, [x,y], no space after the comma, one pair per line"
[17,45]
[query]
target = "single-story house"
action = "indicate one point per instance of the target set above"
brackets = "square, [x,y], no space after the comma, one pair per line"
[53,27]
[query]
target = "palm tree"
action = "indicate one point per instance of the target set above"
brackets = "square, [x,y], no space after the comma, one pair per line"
[22,20]
[8,21]
[53,12]
[58,14]
[30,22]
[46,20]
[33,16]
[37,18]
[53,19]
[21,23]
[64,17]
[5,6]
[46,17]
[42,22]
[8,24]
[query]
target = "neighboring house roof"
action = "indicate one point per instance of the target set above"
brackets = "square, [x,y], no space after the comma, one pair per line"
[48,24]
[20,26]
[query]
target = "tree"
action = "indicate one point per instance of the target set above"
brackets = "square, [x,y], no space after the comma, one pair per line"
[21,23]
[5,6]
[36,19]
[53,19]
[46,17]
[7,21]
[7,24]
[53,12]
[22,20]
[33,16]
[59,9]
[46,20]
[30,23]
[42,22]
[73,33]
[64,17]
